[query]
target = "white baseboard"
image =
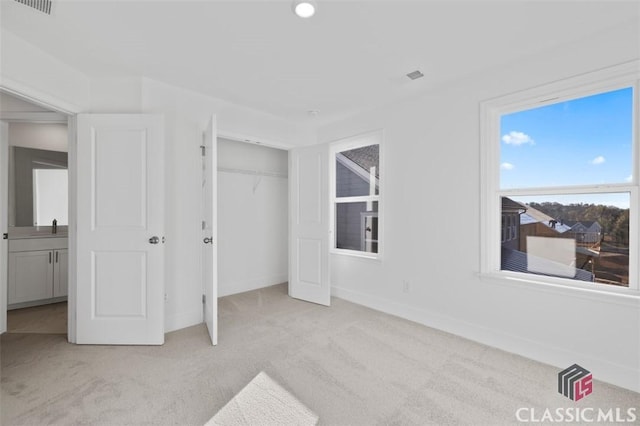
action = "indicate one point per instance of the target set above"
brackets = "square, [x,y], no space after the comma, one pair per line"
[604,370]
[227,289]
[182,320]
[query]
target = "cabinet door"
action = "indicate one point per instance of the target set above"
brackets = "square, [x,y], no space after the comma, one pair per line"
[30,276]
[60,273]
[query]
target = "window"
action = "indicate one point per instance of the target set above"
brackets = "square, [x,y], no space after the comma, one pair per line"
[50,197]
[559,174]
[356,195]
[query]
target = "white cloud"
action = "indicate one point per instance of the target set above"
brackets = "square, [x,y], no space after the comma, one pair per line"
[598,160]
[629,178]
[507,166]
[517,138]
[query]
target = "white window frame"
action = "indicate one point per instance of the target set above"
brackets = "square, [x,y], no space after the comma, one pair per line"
[353,142]
[609,79]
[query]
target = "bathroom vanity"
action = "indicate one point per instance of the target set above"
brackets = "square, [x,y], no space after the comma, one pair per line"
[38,267]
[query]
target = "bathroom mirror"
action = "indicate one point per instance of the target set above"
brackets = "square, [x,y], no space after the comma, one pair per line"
[38,187]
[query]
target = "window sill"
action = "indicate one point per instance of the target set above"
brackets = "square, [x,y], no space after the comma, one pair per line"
[601,293]
[358,255]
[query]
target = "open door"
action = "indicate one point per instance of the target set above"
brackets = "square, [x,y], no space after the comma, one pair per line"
[4,199]
[309,224]
[120,226]
[210,229]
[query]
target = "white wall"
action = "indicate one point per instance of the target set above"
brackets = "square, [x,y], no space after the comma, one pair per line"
[31,71]
[252,217]
[186,115]
[430,174]
[51,137]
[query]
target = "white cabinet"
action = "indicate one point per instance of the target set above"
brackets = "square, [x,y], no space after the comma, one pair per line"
[60,272]
[37,275]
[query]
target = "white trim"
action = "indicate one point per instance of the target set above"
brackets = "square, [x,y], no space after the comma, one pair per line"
[617,77]
[55,104]
[617,374]
[4,225]
[33,117]
[37,97]
[375,137]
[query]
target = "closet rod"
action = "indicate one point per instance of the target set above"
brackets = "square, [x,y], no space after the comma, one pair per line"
[252,172]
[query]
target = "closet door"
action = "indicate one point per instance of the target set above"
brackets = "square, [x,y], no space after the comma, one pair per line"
[309,224]
[210,229]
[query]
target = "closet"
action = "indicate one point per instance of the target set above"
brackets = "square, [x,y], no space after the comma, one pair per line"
[252,216]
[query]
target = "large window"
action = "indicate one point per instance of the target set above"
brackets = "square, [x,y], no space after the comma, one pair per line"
[560,165]
[356,195]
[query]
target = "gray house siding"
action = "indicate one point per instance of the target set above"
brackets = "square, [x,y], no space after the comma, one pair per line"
[349,184]
[349,224]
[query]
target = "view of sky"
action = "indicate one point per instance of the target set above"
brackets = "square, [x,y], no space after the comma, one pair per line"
[578,142]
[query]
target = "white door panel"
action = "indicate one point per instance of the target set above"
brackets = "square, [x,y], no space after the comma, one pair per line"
[4,211]
[120,196]
[309,225]
[210,229]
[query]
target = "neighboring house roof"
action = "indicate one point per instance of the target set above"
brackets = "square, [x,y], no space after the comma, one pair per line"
[514,260]
[536,216]
[365,157]
[508,205]
[584,226]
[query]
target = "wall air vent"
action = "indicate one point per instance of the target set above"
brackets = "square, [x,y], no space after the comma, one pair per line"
[43,6]
[415,75]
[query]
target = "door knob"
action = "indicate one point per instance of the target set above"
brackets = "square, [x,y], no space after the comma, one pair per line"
[154,240]
[208,240]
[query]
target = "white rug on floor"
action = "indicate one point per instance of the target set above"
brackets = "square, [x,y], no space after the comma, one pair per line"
[263,402]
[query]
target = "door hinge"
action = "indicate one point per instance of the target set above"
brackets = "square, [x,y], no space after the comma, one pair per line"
[204,299]
[204,224]
[5,236]
[203,149]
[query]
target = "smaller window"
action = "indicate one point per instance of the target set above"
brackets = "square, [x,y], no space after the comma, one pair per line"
[356,195]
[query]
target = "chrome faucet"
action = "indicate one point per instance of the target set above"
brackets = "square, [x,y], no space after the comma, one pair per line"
[54,226]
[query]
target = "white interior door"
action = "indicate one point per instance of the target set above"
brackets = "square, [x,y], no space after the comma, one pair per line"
[309,224]
[210,229]
[4,212]
[120,226]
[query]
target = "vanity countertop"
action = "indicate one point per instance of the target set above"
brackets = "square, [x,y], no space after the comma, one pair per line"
[29,232]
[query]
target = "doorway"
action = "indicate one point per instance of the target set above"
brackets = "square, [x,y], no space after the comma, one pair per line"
[34,218]
[253,203]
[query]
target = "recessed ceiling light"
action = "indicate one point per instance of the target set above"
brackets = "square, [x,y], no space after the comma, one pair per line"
[313,113]
[304,8]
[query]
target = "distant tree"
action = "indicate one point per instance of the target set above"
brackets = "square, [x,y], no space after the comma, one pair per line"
[620,230]
[611,218]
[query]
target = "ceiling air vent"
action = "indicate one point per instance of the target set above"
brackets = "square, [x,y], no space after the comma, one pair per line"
[415,75]
[41,5]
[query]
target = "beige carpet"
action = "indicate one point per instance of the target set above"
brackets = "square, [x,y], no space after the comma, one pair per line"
[348,364]
[45,319]
[264,402]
